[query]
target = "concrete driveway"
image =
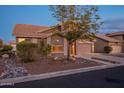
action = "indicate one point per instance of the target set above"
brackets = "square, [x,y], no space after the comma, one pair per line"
[103,56]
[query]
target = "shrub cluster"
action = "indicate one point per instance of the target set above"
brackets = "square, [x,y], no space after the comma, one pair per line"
[26,51]
[5,49]
[43,48]
[107,49]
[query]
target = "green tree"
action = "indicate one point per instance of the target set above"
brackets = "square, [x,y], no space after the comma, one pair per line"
[76,22]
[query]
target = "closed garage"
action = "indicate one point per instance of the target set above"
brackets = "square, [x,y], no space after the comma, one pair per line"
[116,49]
[83,48]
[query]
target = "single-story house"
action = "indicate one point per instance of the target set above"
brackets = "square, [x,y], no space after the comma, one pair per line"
[119,36]
[59,45]
[13,44]
[103,40]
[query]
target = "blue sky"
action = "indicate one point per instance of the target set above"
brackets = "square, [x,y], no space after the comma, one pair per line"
[113,17]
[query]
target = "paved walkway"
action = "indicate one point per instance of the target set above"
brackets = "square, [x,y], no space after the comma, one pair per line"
[106,57]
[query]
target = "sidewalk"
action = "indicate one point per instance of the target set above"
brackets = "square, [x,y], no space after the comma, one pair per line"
[102,56]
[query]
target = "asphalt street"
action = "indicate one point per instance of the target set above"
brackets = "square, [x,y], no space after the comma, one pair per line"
[107,78]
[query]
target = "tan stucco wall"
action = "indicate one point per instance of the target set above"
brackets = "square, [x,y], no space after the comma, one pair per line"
[119,37]
[99,45]
[65,47]
[49,40]
[116,49]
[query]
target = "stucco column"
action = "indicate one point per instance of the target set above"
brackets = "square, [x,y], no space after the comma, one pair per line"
[92,47]
[49,40]
[65,47]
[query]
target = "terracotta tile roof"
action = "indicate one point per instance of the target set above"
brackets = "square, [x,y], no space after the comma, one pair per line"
[26,30]
[106,38]
[115,33]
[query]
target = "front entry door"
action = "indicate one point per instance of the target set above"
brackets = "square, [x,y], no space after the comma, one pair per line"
[73,49]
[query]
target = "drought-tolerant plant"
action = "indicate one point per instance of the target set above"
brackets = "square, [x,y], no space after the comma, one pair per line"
[26,51]
[6,49]
[43,48]
[107,49]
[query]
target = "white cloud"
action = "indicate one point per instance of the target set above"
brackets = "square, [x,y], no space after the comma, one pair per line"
[112,25]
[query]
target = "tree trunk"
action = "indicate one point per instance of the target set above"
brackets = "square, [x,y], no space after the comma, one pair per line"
[68,51]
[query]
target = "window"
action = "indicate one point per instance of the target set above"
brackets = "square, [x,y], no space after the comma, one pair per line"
[56,40]
[57,44]
[57,48]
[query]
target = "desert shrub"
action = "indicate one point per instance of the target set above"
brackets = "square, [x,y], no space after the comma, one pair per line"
[107,49]
[44,49]
[47,49]
[26,51]
[6,49]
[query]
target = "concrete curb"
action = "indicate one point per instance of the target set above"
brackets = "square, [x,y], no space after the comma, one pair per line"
[56,74]
[99,61]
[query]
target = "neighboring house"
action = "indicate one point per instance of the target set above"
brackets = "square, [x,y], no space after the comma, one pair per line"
[118,36]
[13,44]
[59,45]
[103,40]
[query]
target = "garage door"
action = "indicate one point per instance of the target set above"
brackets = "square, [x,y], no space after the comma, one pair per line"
[84,48]
[116,49]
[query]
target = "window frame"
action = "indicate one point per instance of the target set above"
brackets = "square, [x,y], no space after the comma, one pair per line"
[62,51]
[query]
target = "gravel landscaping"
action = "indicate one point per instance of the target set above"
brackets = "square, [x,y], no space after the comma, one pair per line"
[43,66]
[9,69]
